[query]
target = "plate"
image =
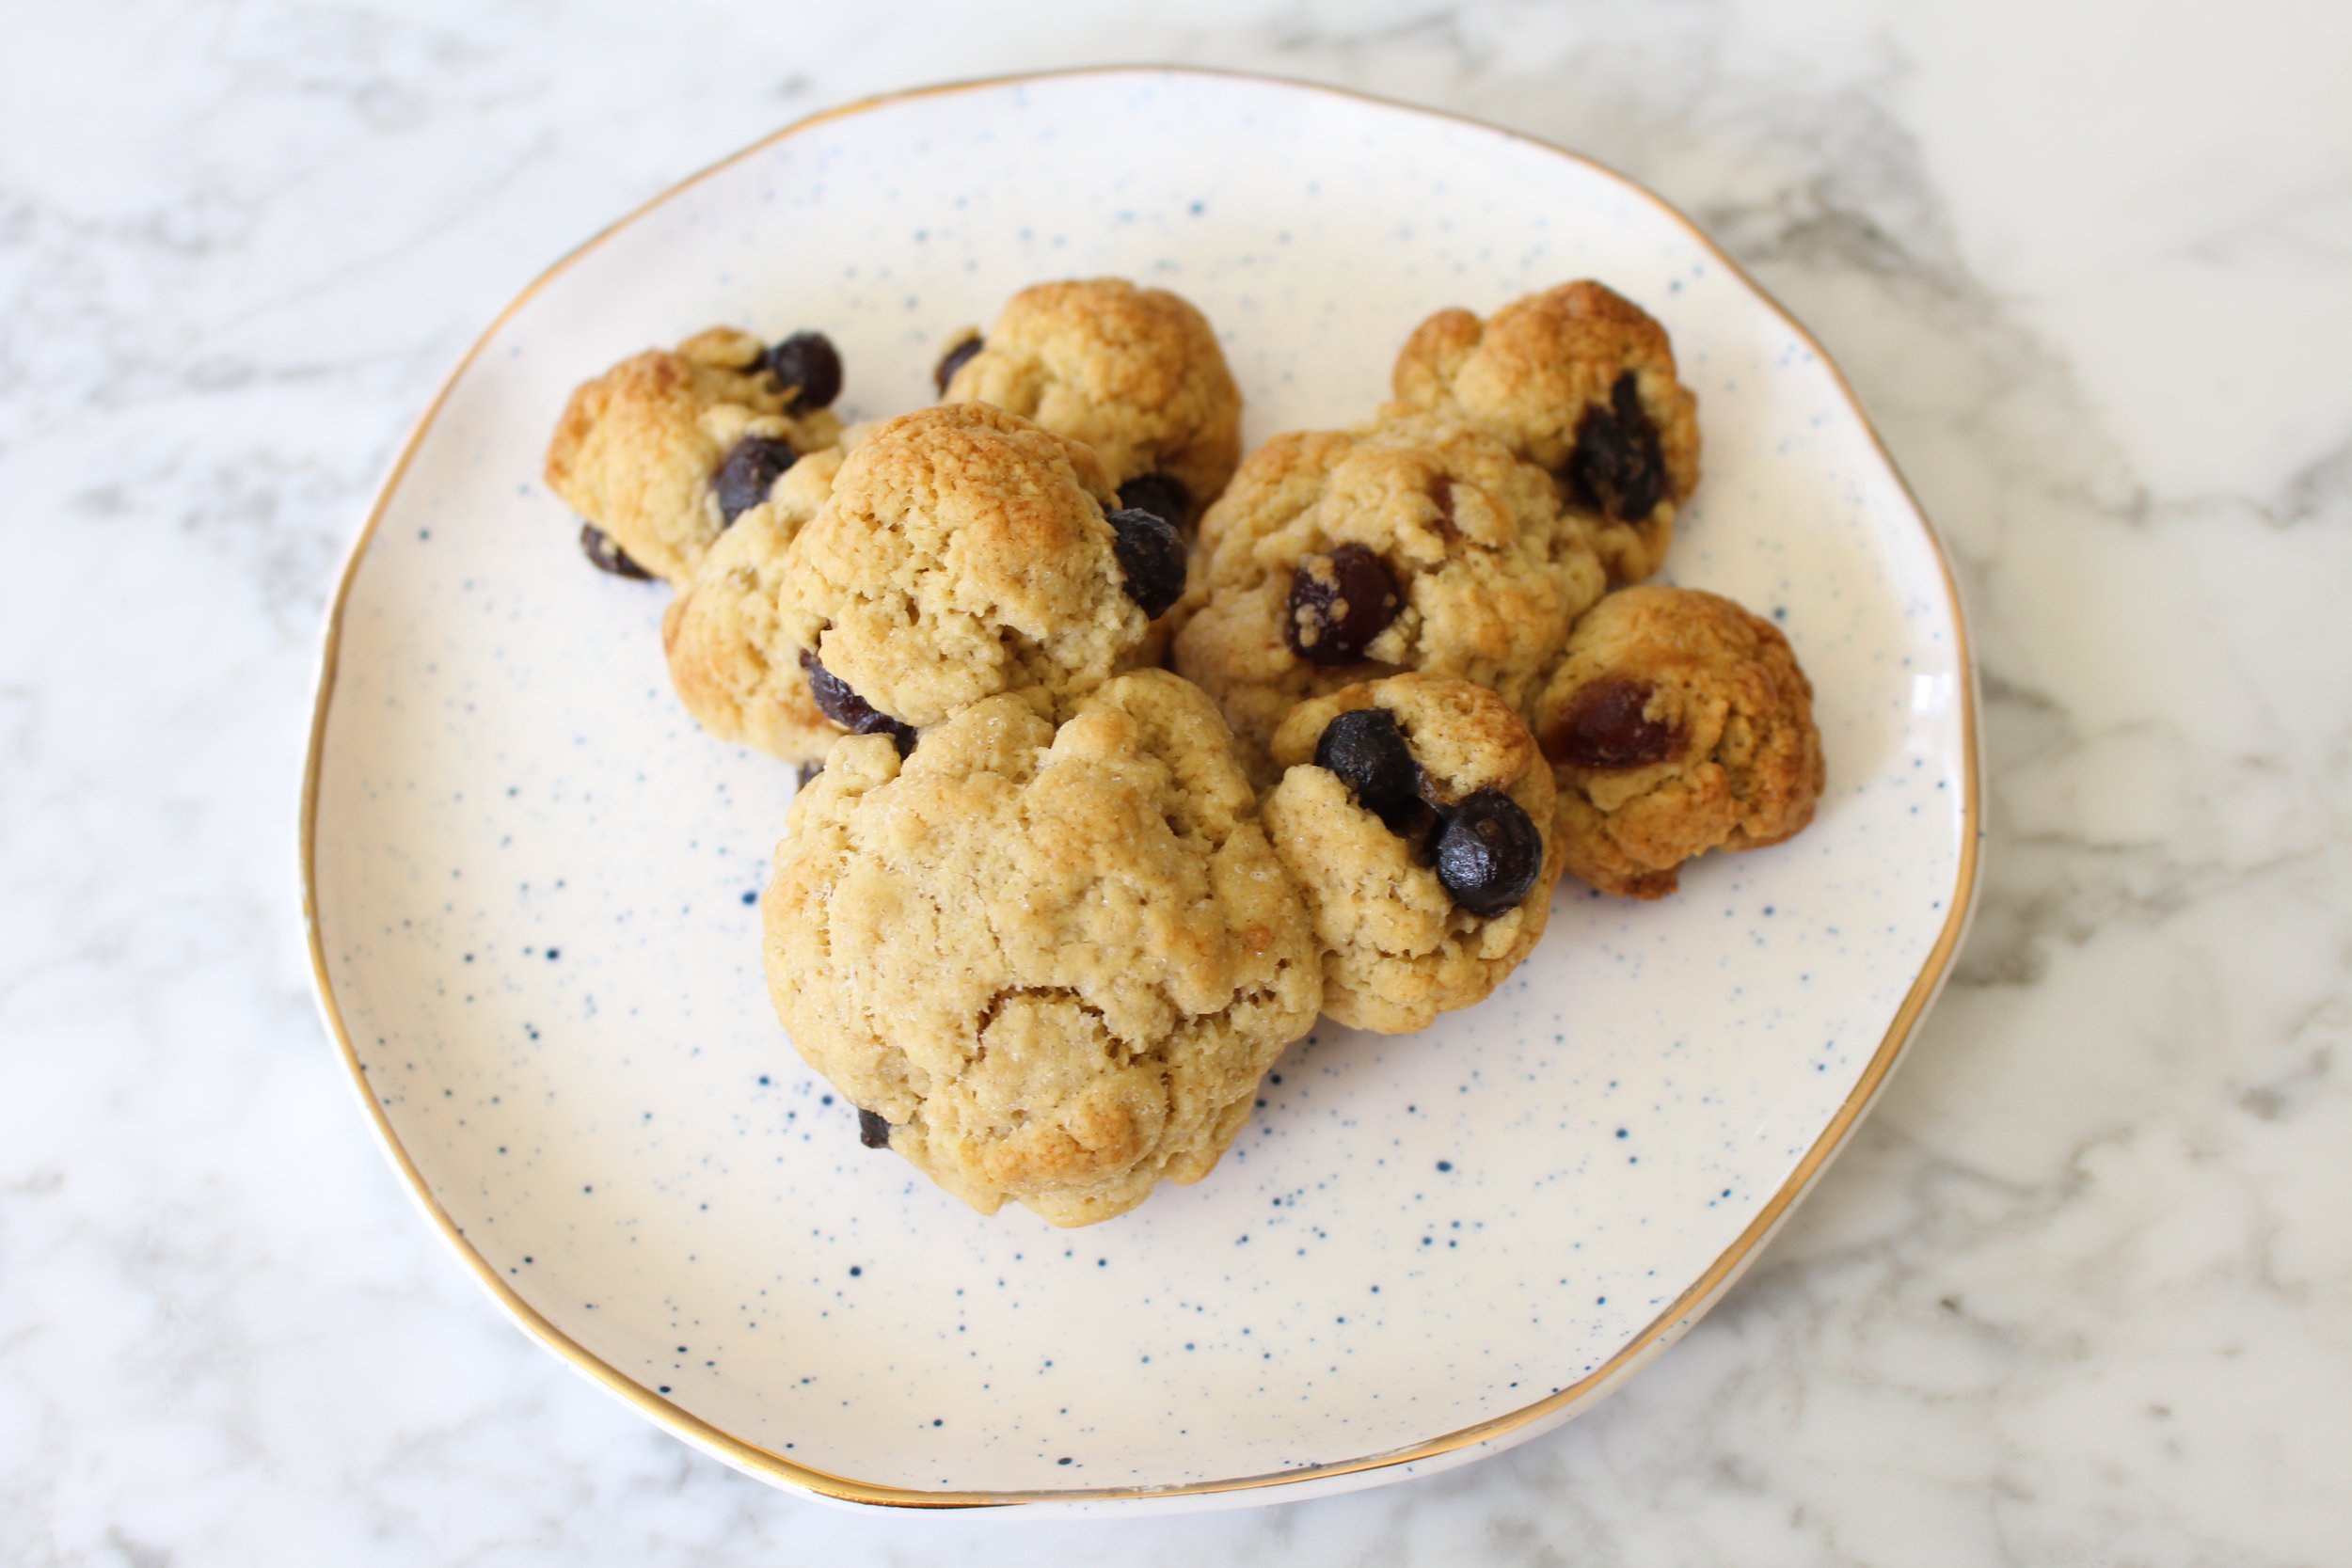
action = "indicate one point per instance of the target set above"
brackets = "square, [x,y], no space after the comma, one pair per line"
[531,880]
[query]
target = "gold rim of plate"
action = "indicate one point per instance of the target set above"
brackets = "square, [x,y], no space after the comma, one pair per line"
[1661,1331]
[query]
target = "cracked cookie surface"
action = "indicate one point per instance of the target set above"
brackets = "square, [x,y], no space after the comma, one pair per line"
[1135,373]
[1055,961]
[640,450]
[954,553]
[1412,543]
[1579,381]
[1400,946]
[1677,722]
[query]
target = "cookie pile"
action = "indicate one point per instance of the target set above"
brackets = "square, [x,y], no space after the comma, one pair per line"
[1046,911]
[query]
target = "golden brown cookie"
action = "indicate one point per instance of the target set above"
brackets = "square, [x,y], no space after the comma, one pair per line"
[1416,814]
[1341,556]
[1135,373]
[962,553]
[662,452]
[958,552]
[1056,963]
[1676,724]
[728,657]
[1579,381]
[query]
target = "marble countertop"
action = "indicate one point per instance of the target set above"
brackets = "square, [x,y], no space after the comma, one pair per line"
[2078,1293]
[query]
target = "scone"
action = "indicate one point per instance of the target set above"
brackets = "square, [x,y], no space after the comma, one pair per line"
[666,450]
[1579,381]
[1676,724]
[1416,814]
[1341,556]
[1135,373]
[1049,965]
[956,553]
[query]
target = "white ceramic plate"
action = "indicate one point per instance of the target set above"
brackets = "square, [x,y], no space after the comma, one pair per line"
[530,877]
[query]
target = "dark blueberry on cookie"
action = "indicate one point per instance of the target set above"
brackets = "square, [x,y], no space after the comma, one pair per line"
[606,556]
[952,361]
[1617,465]
[1367,752]
[1152,554]
[872,1130]
[1488,854]
[1159,495]
[1609,725]
[845,707]
[743,480]
[807,360]
[1339,603]
[833,697]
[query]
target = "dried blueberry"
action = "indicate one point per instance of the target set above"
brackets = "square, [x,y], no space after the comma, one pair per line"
[743,480]
[1608,725]
[1367,751]
[1339,603]
[807,365]
[952,361]
[606,556]
[845,707]
[1488,854]
[1152,554]
[872,1130]
[1159,495]
[1617,465]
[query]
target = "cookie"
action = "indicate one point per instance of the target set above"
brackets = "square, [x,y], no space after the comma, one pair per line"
[1053,963]
[721,634]
[664,450]
[964,551]
[1135,373]
[1677,722]
[958,552]
[1416,814]
[1412,543]
[1579,381]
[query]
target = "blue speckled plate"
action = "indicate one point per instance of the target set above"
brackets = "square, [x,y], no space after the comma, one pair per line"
[532,878]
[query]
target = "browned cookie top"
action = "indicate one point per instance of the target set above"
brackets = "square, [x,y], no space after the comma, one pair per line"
[1413,542]
[1581,381]
[1053,961]
[1677,722]
[662,452]
[1135,373]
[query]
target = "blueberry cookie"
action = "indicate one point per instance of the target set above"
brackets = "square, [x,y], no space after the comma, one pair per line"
[1050,964]
[1410,544]
[721,634]
[958,552]
[1676,724]
[1135,373]
[663,451]
[1581,381]
[1416,814]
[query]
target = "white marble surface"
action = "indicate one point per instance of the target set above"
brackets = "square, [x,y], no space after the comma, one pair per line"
[2080,1292]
